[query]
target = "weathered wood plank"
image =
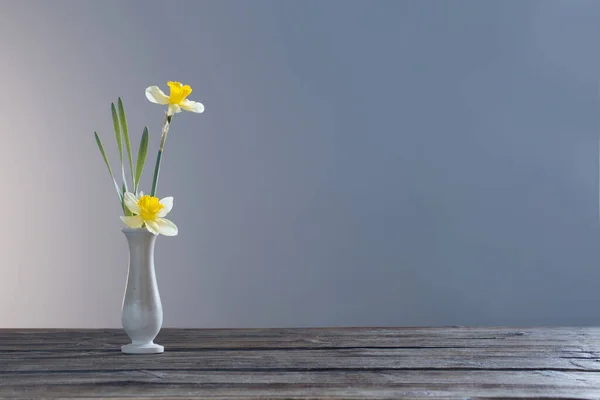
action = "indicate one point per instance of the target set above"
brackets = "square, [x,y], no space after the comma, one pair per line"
[428,391]
[290,338]
[303,361]
[588,380]
[34,355]
[335,363]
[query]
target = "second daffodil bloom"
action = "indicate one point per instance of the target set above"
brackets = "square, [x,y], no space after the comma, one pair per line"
[177,98]
[150,212]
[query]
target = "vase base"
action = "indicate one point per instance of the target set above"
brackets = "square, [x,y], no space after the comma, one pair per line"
[150,348]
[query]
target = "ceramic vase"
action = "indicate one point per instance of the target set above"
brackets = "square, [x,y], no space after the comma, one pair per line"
[142,314]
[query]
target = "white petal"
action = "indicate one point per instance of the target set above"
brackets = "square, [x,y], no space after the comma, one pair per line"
[152,227]
[133,222]
[166,227]
[192,106]
[173,109]
[131,202]
[155,95]
[167,202]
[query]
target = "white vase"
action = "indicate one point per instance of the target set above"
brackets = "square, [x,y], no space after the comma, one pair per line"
[142,313]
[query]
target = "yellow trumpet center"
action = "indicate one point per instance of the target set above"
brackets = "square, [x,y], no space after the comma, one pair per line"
[178,92]
[149,207]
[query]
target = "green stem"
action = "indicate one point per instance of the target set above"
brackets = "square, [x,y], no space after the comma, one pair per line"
[163,139]
[156,170]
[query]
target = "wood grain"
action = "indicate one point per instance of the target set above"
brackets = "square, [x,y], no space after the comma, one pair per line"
[319,363]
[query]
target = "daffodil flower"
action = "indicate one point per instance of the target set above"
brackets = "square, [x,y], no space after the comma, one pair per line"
[150,212]
[177,99]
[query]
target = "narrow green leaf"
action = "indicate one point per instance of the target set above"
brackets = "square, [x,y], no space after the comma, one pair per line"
[119,139]
[99,143]
[141,159]
[125,130]
[163,138]
[156,171]
[117,127]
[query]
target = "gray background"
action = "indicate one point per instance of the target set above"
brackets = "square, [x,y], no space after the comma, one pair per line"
[358,163]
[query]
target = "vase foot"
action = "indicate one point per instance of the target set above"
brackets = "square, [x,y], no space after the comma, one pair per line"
[149,348]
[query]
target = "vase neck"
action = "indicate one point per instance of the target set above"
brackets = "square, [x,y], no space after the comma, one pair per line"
[139,239]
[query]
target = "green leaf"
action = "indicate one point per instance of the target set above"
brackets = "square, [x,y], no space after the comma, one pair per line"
[125,130]
[156,173]
[117,128]
[141,159]
[125,209]
[163,138]
[99,143]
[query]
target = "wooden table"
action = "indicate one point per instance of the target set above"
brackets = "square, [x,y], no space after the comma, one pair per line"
[332,363]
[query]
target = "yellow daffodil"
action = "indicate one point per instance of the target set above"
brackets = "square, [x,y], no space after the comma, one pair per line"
[177,98]
[149,212]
